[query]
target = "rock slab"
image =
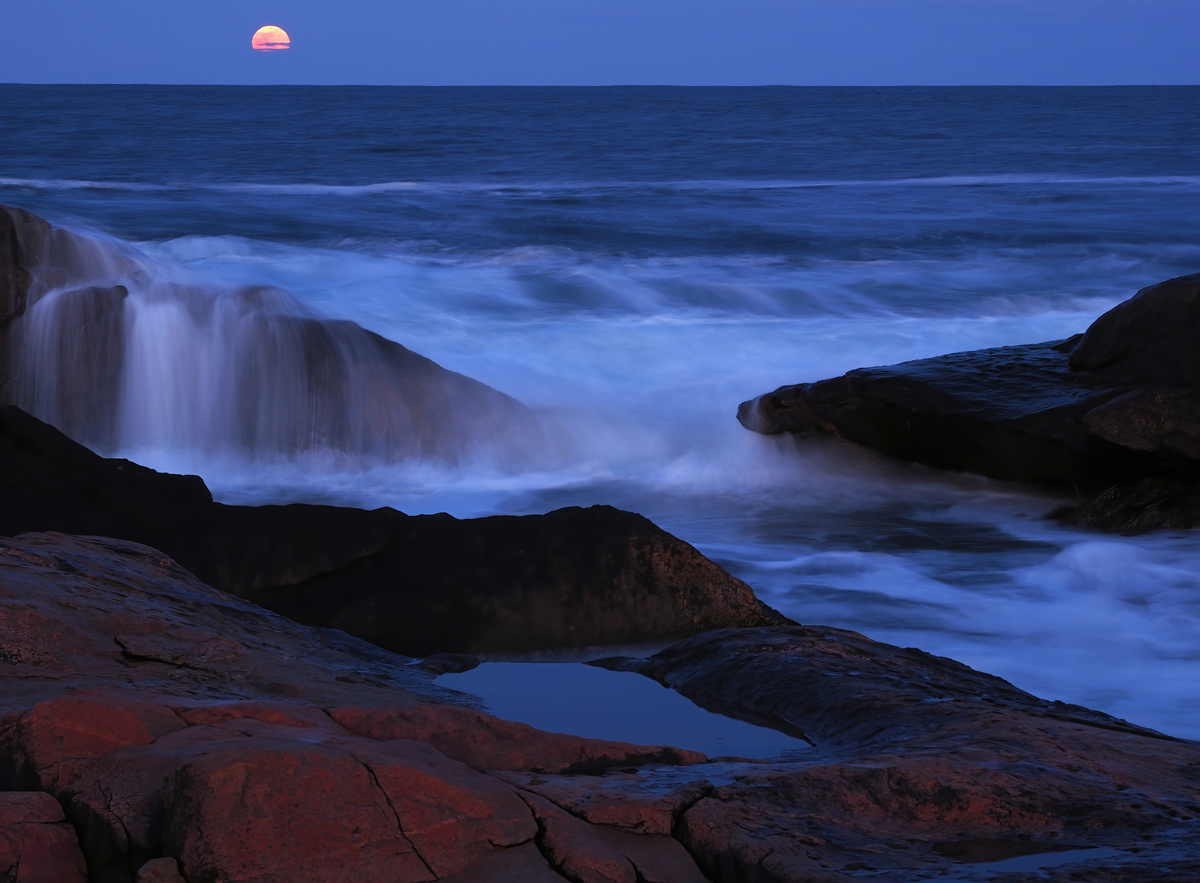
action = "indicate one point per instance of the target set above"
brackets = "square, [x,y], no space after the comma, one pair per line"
[192,735]
[919,763]
[173,721]
[412,584]
[1113,412]
[36,844]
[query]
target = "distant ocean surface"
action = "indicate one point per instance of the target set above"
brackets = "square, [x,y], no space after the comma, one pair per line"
[634,262]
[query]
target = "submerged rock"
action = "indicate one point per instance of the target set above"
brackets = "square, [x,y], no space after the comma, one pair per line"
[1099,412]
[414,584]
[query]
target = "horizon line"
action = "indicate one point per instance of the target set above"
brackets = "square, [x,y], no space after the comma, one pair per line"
[623,85]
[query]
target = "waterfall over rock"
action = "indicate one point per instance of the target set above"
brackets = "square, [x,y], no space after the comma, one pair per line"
[100,343]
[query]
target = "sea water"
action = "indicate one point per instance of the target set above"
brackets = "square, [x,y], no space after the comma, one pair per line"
[633,263]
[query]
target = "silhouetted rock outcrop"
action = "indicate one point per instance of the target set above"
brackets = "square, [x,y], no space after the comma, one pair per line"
[414,584]
[1103,412]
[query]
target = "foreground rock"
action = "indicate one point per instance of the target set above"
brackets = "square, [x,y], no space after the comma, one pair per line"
[413,584]
[173,721]
[83,321]
[1114,412]
[919,759]
[189,735]
[36,843]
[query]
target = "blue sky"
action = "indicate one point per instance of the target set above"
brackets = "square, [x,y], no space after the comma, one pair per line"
[597,42]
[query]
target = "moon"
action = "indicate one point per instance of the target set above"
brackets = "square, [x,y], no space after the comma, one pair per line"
[270,39]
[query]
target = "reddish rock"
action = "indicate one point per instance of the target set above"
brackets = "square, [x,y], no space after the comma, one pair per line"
[35,844]
[600,854]
[167,717]
[54,742]
[307,814]
[484,742]
[159,870]
[913,754]
[576,849]
[208,742]
[451,814]
[519,864]
[639,803]
[268,712]
[657,858]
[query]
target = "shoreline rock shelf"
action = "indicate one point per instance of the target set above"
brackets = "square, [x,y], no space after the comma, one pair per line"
[1113,413]
[172,720]
[186,735]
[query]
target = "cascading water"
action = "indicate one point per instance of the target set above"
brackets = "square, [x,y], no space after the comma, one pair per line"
[118,354]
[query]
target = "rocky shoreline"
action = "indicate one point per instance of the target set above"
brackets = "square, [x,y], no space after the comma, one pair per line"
[413,584]
[202,693]
[1112,414]
[155,729]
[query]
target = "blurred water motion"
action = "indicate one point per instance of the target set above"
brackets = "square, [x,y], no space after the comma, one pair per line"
[633,263]
[116,353]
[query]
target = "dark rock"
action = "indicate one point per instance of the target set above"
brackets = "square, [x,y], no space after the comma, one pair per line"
[414,584]
[573,577]
[1149,340]
[1093,413]
[449,663]
[914,751]
[1011,413]
[1133,507]
[82,364]
[23,238]
[287,380]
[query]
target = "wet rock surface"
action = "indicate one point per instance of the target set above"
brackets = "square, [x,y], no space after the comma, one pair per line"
[166,720]
[413,584]
[922,767]
[1101,412]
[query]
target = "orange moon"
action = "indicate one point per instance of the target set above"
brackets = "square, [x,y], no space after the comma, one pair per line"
[270,38]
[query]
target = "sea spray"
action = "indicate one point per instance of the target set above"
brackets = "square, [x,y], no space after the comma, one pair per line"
[118,354]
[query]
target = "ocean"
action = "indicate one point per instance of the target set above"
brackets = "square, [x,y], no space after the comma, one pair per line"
[634,262]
